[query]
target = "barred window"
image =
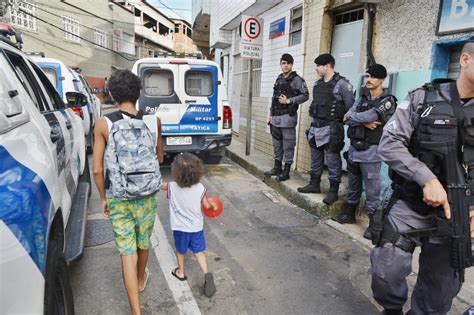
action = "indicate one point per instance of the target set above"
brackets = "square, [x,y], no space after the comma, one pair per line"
[296,25]
[101,38]
[23,14]
[72,28]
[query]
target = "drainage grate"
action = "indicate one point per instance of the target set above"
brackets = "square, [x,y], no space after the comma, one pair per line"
[98,232]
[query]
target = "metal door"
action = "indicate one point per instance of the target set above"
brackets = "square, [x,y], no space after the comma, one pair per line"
[235,93]
[346,49]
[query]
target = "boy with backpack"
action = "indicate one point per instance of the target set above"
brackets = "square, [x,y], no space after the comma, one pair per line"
[129,145]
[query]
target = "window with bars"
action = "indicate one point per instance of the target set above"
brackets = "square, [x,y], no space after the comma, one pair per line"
[72,28]
[101,38]
[348,17]
[26,19]
[296,25]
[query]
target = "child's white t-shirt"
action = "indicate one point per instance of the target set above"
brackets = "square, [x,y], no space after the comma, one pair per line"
[185,207]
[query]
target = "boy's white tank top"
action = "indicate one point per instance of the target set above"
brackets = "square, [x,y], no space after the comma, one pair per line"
[185,207]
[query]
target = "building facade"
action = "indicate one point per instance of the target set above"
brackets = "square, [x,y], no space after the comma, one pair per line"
[97,36]
[417,41]
[154,31]
[183,41]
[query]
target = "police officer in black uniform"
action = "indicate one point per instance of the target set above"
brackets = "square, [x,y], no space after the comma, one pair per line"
[332,97]
[366,119]
[289,92]
[435,113]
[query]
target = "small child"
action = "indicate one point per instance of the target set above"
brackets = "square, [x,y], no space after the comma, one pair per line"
[185,195]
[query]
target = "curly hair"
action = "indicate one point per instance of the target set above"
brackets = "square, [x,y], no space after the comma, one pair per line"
[124,86]
[186,169]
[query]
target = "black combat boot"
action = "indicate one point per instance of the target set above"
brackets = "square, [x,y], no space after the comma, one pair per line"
[275,171]
[393,312]
[348,216]
[368,232]
[332,195]
[314,185]
[285,174]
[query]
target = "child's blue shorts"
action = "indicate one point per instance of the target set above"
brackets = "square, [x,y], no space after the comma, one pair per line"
[189,240]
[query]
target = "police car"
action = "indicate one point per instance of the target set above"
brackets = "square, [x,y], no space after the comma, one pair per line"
[66,82]
[188,97]
[44,188]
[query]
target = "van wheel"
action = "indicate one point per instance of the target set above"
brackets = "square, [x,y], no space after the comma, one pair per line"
[58,297]
[212,157]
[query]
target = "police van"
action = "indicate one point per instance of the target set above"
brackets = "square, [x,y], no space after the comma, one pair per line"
[44,188]
[188,97]
[67,81]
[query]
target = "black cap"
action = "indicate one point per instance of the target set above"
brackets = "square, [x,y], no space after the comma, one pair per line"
[377,71]
[324,59]
[287,57]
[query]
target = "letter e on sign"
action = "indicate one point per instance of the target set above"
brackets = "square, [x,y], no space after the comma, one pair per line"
[252,30]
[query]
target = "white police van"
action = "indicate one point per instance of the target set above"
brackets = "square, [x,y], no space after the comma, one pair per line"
[188,97]
[67,81]
[44,188]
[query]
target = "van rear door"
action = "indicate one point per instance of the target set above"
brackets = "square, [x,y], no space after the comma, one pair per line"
[199,90]
[160,94]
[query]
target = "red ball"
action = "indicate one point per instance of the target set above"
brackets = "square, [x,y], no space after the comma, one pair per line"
[210,213]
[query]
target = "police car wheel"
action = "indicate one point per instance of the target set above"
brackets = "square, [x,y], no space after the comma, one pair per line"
[58,298]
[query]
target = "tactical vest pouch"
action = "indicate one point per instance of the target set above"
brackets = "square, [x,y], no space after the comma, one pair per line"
[322,111]
[338,110]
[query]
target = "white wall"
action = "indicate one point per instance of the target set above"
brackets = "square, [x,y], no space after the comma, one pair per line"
[274,48]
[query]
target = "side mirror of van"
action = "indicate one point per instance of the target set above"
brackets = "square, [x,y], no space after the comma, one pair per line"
[75,99]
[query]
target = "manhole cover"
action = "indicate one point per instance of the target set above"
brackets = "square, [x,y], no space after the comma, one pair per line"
[98,232]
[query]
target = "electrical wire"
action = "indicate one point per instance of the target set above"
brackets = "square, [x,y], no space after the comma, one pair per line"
[91,28]
[82,38]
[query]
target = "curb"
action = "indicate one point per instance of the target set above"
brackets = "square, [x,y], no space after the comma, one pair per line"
[312,203]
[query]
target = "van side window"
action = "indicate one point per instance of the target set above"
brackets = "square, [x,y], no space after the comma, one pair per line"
[51,74]
[51,92]
[199,83]
[28,80]
[158,82]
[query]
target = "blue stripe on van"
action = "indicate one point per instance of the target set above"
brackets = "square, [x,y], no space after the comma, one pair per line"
[57,68]
[24,206]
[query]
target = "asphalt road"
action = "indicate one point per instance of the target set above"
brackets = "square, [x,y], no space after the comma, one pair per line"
[268,257]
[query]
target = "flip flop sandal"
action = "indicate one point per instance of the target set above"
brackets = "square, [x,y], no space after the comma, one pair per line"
[173,272]
[209,286]
[147,274]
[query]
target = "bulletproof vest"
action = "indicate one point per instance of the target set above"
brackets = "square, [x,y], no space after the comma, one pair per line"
[440,121]
[362,138]
[283,86]
[324,107]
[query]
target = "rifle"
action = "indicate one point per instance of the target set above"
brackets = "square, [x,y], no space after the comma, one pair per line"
[461,201]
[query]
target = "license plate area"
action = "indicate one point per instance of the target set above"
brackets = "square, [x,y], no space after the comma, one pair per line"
[179,140]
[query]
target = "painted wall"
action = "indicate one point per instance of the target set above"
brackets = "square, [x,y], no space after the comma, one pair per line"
[95,61]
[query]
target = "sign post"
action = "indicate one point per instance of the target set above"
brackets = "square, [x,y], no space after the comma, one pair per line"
[250,48]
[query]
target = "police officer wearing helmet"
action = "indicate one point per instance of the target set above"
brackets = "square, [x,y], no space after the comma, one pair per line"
[366,119]
[433,114]
[332,98]
[289,92]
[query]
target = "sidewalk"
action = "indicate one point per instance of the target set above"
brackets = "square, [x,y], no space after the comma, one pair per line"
[257,163]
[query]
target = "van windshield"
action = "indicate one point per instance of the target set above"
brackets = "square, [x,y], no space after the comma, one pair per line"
[158,82]
[199,83]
